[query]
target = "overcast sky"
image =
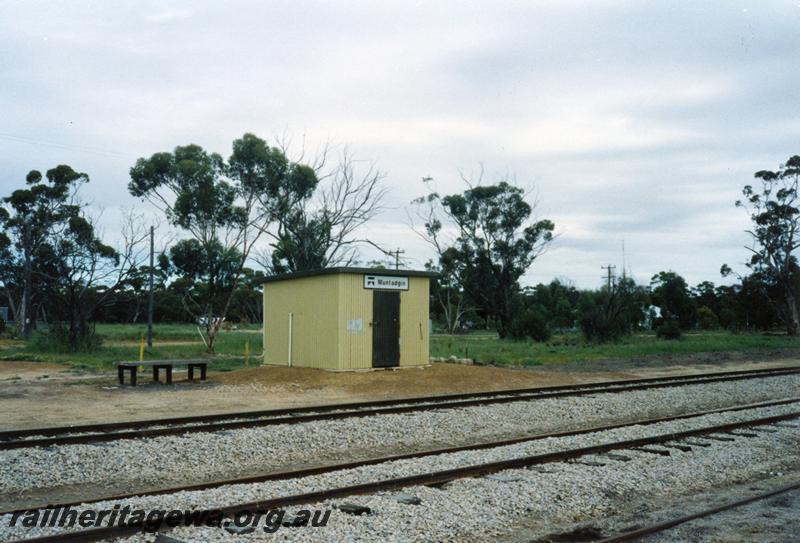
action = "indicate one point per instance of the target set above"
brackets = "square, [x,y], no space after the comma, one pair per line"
[634,121]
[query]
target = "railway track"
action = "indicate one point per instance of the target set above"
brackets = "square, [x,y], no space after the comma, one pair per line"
[317,470]
[93,433]
[671,439]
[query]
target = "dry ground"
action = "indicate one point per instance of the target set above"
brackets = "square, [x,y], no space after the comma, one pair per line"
[34,394]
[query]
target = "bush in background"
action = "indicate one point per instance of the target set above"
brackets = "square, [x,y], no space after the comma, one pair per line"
[707,318]
[530,323]
[600,323]
[612,313]
[669,330]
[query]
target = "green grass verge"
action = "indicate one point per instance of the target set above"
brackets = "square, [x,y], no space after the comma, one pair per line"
[121,342]
[562,348]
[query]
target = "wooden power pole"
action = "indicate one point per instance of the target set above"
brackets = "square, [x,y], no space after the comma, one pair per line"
[609,275]
[150,294]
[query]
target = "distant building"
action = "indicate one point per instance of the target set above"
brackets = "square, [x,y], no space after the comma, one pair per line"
[653,314]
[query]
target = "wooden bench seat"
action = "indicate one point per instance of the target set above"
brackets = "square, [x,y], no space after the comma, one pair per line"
[157,365]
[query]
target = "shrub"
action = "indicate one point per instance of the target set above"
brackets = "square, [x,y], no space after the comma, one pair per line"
[601,326]
[708,319]
[2,325]
[669,330]
[530,323]
[727,318]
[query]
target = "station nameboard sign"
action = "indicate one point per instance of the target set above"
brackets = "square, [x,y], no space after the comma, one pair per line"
[386,282]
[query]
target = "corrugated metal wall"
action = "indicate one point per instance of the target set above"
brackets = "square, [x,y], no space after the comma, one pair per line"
[355,348]
[355,303]
[335,307]
[414,314]
[313,302]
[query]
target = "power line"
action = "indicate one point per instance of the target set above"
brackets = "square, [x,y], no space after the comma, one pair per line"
[67,146]
[393,254]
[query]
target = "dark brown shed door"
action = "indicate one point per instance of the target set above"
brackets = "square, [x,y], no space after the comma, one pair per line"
[385,329]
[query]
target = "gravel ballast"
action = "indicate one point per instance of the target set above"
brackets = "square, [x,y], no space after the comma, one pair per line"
[486,507]
[171,460]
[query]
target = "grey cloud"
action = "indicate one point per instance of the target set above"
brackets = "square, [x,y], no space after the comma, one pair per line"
[638,121]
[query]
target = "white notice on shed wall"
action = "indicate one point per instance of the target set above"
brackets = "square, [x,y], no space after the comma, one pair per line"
[355,326]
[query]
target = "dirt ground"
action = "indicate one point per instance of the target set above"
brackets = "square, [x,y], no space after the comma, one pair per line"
[34,394]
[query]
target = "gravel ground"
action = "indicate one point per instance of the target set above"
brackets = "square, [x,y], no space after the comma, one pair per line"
[774,520]
[482,508]
[171,460]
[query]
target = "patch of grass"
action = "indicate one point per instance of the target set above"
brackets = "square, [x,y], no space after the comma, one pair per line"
[164,332]
[121,343]
[562,348]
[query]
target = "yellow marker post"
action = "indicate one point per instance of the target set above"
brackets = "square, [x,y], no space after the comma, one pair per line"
[141,349]
[247,353]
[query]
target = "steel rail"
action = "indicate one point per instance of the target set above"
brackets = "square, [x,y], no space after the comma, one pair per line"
[341,411]
[633,535]
[427,479]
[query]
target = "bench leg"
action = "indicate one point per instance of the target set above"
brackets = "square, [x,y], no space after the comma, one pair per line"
[169,375]
[155,374]
[133,376]
[203,372]
[191,372]
[120,375]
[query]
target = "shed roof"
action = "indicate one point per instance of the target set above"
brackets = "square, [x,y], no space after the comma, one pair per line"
[329,271]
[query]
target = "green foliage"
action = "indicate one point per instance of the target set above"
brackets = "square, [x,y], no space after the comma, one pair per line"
[610,315]
[121,342]
[748,305]
[670,292]
[572,347]
[224,206]
[50,254]
[530,323]
[774,210]
[497,243]
[707,318]
[670,329]
[558,300]
[58,338]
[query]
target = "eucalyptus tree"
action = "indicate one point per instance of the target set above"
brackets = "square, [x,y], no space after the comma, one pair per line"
[447,290]
[672,294]
[227,206]
[497,237]
[774,210]
[316,222]
[219,204]
[51,256]
[30,218]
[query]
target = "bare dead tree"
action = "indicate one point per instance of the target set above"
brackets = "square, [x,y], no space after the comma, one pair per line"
[91,272]
[318,229]
[425,220]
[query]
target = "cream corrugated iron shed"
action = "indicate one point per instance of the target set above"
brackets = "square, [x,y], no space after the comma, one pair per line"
[347,318]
